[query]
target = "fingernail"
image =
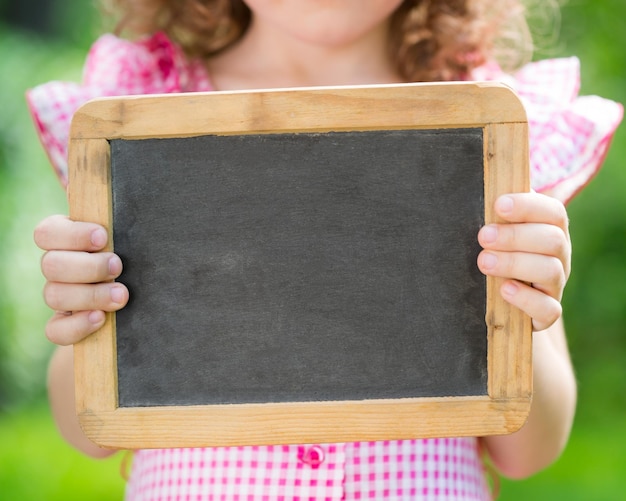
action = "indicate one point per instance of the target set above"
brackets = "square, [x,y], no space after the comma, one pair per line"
[489,234]
[96,317]
[488,260]
[504,204]
[99,238]
[114,266]
[117,295]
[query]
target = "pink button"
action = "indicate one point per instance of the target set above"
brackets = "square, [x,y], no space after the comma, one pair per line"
[313,456]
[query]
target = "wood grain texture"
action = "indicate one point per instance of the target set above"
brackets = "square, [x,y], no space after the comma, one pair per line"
[510,341]
[317,422]
[306,110]
[89,197]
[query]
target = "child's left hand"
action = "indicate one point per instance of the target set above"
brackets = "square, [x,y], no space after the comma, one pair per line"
[532,250]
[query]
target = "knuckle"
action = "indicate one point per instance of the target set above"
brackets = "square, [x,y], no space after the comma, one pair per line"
[95,295]
[51,295]
[557,242]
[68,328]
[49,264]
[45,232]
[554,314]
[55,334]
[554,270]
[549,317]
[78,240]
[51,333]
[561,214]
[512,235]
[512,264]
[45,263]
[100,296]
[93,269]
[40,235]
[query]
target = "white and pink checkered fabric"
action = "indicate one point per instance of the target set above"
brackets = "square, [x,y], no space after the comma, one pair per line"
[114,67]
[569,135]
[438,469]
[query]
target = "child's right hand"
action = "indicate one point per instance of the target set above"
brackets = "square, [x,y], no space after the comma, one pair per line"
[79,279]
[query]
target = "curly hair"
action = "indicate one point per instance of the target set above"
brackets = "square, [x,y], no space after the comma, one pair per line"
[430,40]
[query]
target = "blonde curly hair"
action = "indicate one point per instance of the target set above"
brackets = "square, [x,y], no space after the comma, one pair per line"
[430,40]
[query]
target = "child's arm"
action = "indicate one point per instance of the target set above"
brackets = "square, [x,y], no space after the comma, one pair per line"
[535,251]
[61,395]
[78,281]
[544,436]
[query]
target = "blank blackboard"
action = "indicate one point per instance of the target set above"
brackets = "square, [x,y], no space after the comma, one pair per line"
[309,276]
[314,267]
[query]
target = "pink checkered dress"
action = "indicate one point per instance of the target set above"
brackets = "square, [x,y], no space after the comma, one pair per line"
[569,137]
[440,469]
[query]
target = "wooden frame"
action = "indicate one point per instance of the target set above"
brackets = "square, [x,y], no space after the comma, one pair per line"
[492,107]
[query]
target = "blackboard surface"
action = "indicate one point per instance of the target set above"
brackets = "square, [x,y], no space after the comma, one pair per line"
[300,267]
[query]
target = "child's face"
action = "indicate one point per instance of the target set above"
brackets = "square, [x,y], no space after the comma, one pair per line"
[324,22]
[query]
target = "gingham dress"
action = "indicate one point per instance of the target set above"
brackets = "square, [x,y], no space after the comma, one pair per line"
[439,469]
[569,137]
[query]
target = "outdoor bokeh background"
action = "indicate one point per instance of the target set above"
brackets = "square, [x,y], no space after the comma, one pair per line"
[41,41]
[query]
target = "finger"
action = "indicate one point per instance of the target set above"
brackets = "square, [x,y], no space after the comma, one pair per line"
[532,208]
[69,328]
[61,233]
[84,297]
[534,238]
[543,309]
[80,267]
[546,273]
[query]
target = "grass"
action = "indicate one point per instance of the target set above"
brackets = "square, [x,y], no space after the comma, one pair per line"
[37,465]
[591,468]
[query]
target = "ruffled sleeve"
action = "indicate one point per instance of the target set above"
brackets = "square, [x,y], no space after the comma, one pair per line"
[114,67]
[569,135]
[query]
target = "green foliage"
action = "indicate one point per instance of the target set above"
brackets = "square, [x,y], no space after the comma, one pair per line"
[36,464]
[28,193]
[591,469]
[595,301]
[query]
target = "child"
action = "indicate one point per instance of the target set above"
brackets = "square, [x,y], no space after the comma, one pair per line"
[203,45]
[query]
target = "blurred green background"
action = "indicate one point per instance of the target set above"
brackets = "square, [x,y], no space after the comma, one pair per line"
[41,41]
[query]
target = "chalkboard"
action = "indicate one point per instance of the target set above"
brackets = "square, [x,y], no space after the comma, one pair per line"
[301,271]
